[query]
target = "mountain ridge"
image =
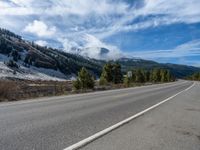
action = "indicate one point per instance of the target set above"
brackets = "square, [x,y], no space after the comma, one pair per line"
[28,55]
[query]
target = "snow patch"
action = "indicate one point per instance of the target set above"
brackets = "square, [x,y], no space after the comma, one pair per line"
[32,73]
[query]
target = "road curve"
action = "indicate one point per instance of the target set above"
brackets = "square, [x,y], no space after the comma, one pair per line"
[174,125]
[58,122]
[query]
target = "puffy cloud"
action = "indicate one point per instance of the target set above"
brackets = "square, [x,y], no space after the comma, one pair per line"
[95,48]
[40,29]
[92,47]
[67,44]
[106,17]
[85,24]
[41,43]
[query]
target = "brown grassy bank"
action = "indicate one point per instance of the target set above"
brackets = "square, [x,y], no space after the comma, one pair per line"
[11,90]
[15,89]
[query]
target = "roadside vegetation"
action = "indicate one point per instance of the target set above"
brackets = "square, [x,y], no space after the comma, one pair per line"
[140,76]
[84,81]
[13,89]
[194,77]
[111,73]
[111,77]
[7,89]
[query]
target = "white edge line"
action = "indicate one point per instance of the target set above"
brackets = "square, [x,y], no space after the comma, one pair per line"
[111,128]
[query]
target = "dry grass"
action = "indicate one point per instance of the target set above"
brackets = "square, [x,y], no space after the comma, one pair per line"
[25,89]
[7,90]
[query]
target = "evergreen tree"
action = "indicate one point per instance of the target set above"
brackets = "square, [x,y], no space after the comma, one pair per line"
[133,79]
[156,77]
[169,76]
[147,76]
[107,72]
[77,84]
[195,77]
[103,80]
[139,76]
[117,74]
[84,80]
[112,73]
[15,55]
[163,74]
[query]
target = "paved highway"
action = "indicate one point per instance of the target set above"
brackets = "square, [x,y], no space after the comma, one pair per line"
[174,125]
[58,122]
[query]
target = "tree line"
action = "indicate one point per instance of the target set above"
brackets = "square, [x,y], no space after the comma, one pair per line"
[195,77]
[112,74]
[152,76]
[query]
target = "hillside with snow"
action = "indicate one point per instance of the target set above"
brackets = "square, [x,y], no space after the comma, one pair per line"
[29,73]
[26,60]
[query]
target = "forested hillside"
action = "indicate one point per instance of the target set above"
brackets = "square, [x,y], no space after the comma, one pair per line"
[19,53]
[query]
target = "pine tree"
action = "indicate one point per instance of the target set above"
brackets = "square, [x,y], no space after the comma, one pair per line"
[133,79]
[169,76]
[163,74]
[107,72]
[84,80]
[147,76]
[117,75]
[77,84]
[112,73]
[139,76]
[156,77]
[103,80]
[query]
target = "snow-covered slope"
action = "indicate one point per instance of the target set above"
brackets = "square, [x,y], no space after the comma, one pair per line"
[29,73]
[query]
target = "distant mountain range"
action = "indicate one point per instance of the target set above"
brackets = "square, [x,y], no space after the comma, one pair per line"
[24,59]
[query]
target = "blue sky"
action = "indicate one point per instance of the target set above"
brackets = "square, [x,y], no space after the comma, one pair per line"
[167,31]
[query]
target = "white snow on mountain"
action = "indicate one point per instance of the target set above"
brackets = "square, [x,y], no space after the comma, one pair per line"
[31,73]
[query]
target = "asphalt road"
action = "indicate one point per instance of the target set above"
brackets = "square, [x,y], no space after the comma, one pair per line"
[174,125]
[56,123]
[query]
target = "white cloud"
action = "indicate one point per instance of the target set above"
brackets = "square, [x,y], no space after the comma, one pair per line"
[182,11]
[86,23]
[41,43]
[4,4]
[106,17]
[92,41]
[88,7]
[40,29]
[93,48]
[22,2]
[191,48]
[64,7]
[67,44]
[162,12]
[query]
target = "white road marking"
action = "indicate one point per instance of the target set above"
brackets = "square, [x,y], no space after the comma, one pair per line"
[109,129]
